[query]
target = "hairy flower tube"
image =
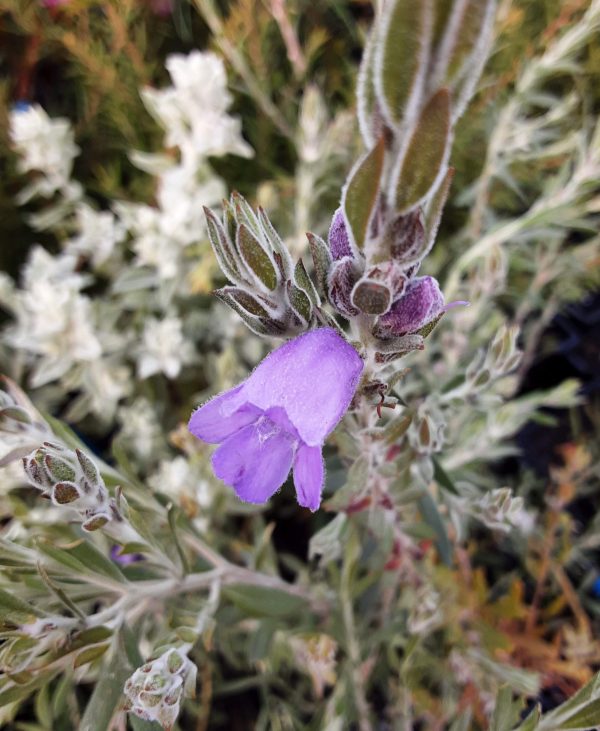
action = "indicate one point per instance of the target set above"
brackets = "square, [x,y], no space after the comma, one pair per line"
[280,416]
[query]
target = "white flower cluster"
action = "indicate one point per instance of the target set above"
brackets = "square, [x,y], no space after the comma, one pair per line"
[193,113]
[44,146]
[93,333]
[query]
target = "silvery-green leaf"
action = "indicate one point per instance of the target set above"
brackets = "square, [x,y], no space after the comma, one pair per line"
[229,222]
[397,428]
[531,722]
[425,158]
[431,516]
[59,469]
[17,413]
[321,260]
[305,283]
[223,248]
[402,56]
[256,258]
[506,713]
[15,610]
[244,300]
[370,118]
[327,542]
[463,50]
[259,325]
[426,330]
[371,297]
[89,468]
[299,302]
[276,243]
[258,601]
[244,213]
[89,655]
[361,191]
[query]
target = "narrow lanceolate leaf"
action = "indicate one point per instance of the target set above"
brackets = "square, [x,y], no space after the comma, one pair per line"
[244,300]
[244,213]
[264,326]
[257,601]
[431,516]
[299,302]
[360,194]
[15,610]
[370,118]
[425,158]
[305,283]
[223,248]
[321,260]
[470,53]
[435,208]
[256,258]
[402,56]
[277,244]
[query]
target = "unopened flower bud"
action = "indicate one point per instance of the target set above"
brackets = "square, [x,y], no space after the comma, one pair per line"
[416,311]
[342,278]
[154,692]
[421,302]
[407,239]
[315,654]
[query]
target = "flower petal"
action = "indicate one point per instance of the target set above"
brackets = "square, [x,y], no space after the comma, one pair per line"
[309,475]
[312,377]
[254,462]
[223,416]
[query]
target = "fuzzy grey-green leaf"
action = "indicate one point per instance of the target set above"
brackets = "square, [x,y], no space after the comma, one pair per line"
[321,261]
[256,258]
[426,154]
[305,283]
[244,300]
[360,194]
[402,58]
[222,247]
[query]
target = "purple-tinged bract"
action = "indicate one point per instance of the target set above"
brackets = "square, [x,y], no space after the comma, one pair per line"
[280,416]
[339,242]
[421,302]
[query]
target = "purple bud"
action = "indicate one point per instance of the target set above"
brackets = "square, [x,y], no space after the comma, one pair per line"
[408,240]
[339,243]
[342,278]
[421,303]
[124,558]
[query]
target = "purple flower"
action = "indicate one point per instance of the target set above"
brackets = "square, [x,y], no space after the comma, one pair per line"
[280,416]
[124,558]
[421,302]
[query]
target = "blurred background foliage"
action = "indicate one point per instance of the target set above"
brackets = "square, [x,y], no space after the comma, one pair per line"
[534,601]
